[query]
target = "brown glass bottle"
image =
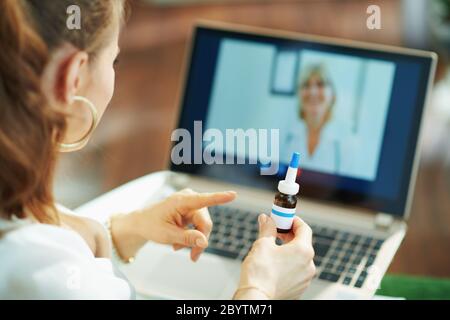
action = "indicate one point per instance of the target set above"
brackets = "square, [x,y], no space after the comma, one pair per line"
[285,201]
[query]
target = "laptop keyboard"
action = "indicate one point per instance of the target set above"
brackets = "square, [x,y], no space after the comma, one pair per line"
[340,256]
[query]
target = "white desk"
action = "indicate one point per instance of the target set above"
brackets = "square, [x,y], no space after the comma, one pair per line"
[126,198]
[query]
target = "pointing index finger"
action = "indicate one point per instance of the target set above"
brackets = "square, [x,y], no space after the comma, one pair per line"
[195,201]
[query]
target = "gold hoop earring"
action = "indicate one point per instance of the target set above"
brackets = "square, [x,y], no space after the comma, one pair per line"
[68,147]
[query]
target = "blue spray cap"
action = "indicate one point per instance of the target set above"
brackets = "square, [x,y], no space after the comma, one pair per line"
[295,160]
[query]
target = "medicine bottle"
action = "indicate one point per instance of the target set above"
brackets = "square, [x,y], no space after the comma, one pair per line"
[284,205]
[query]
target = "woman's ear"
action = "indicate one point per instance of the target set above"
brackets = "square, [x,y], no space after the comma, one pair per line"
[72,76]
[65,74]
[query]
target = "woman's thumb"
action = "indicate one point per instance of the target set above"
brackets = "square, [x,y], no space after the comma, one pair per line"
[267,227]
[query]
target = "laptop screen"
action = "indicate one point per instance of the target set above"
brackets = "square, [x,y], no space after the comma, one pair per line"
[351,112]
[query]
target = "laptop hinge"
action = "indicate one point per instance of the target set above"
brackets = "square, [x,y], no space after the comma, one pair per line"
[383,221]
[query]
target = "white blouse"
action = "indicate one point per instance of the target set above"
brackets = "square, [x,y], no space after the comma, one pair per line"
[39,261]
[326,155]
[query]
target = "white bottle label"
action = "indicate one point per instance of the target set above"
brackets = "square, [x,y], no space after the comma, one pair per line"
[283,217]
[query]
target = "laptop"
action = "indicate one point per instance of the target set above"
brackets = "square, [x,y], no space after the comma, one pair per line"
[357,170]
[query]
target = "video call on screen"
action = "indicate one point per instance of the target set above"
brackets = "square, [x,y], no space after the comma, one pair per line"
[332,108]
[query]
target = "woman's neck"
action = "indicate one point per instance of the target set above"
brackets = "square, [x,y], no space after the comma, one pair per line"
[313,134]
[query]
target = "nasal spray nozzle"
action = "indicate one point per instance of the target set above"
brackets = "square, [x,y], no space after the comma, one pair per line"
[288,185]
[283,209]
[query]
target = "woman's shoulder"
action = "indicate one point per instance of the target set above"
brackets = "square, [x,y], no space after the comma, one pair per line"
[31,253]
[49,262]
[92,231]
[41,237]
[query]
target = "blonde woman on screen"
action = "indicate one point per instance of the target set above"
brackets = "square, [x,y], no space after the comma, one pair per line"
[311,134]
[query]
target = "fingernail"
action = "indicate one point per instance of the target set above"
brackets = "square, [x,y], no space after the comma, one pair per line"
[200,242]
[262,219]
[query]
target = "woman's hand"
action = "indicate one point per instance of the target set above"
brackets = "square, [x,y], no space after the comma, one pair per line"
[167,222]
[271,271]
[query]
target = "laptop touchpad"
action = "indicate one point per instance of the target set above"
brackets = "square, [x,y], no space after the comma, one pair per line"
[173,275]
